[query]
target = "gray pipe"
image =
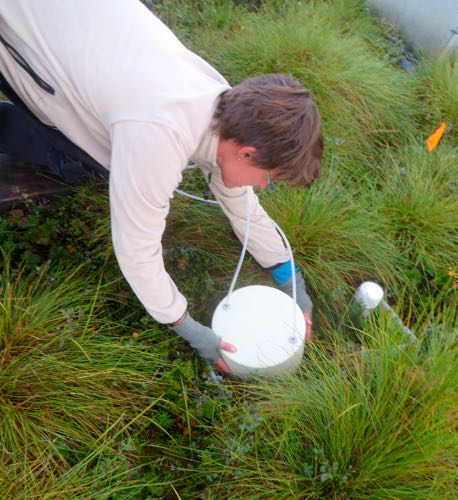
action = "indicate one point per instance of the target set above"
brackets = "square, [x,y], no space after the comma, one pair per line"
[397,319]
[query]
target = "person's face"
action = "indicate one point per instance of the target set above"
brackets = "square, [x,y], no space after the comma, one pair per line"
[237,169]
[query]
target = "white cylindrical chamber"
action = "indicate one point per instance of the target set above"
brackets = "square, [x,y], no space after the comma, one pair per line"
[260,323]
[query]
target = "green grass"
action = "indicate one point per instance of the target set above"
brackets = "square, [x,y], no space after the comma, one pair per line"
[68,381]
[338,238]
[419,198]
[99,401]
[365,101]
[439,94]
[373,423]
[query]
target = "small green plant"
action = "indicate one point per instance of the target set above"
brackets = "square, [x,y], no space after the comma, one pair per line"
[67,231]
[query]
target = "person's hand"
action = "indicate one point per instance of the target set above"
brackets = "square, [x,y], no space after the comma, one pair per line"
[308,327]
[202,338]
[221,365]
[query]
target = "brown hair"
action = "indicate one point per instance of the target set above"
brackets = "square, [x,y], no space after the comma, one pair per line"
[276,115]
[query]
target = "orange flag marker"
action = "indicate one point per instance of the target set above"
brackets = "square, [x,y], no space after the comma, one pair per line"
[433,140]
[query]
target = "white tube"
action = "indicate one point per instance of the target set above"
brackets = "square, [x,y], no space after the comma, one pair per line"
[242,255]
[293,338]
[198,198]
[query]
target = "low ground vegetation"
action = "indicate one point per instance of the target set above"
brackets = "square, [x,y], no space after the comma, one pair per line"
[99,401]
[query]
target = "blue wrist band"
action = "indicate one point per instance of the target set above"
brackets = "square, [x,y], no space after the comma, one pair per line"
[282,273]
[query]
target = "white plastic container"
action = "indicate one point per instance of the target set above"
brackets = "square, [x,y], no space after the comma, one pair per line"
[260,323]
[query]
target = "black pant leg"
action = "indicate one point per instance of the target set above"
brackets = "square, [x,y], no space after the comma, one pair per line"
[24,137]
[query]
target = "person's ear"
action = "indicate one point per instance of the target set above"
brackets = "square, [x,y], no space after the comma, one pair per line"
[246,153]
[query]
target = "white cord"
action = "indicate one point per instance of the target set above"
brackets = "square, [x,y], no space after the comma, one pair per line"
[293,338]
[227,304]
[198,198]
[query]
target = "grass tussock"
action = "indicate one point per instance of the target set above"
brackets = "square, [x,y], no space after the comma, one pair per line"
[338,238]
[364,100]
[377,423]
[418,196]
[438,90]
[66,383]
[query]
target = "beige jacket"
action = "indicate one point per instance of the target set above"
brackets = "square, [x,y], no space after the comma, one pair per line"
[119,84]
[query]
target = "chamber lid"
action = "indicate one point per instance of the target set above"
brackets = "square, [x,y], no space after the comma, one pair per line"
[260,323]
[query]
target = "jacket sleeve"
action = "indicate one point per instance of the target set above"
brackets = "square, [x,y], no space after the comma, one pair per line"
[146,165]
[264,242]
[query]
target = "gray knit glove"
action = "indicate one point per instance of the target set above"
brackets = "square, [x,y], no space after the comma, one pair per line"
[203,339]
[303,298]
